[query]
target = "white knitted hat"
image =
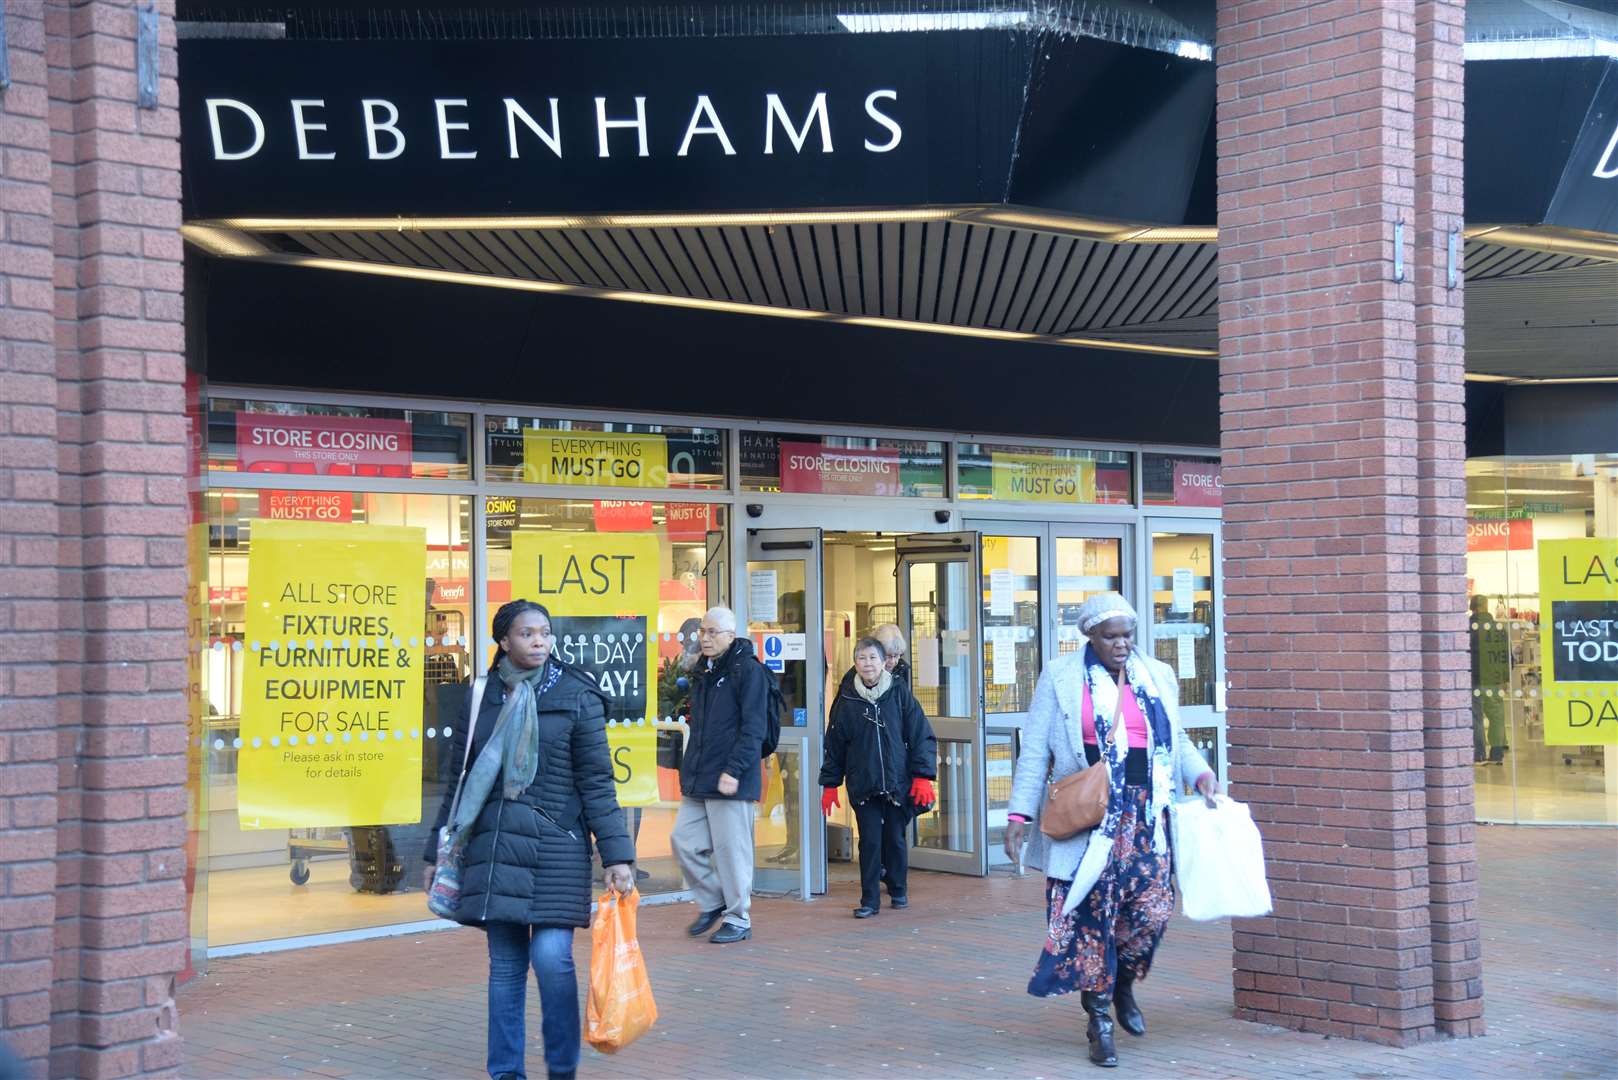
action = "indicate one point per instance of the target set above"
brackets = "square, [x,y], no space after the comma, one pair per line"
[1103,606]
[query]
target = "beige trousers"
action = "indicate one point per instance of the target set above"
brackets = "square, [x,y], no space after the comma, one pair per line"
[713,843]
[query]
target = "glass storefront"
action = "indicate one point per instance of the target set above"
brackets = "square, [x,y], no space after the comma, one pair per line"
[1527,715]
[626,529]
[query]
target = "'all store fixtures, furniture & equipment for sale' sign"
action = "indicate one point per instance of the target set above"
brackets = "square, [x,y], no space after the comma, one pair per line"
[332,684]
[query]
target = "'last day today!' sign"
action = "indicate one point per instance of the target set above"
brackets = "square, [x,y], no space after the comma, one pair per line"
[1578,626]
[331,688]
[602,592]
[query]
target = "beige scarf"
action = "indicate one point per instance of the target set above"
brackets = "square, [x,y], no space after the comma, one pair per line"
[873,694]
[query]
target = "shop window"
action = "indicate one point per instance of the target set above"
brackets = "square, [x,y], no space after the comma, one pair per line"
[626,584]
[1183,611]
[841,465]
[588,453]
[1540,642]
[1044,474]
[1011,645]
[280,864]
[293,439]
[1085,565]
[1181,480]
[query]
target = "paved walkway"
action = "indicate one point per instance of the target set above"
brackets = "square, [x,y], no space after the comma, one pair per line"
[935,991]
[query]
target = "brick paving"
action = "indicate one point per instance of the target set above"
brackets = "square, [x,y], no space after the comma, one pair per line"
[935,991]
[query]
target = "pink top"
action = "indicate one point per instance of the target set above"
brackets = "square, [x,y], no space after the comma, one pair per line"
[1134,722]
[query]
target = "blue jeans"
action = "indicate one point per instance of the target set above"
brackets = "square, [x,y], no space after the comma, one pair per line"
[549,949]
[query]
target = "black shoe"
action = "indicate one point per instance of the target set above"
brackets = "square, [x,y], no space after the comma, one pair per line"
[899,901]
[865,911]
[784,856]
[642,875]
[704,922]
[731,932]
[1123,1000]
[1099,1031]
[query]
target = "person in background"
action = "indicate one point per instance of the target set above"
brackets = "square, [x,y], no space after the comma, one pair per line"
[879,741]
[1491,671]
[894,642]
[538,785]
[720,779]
[1108,890]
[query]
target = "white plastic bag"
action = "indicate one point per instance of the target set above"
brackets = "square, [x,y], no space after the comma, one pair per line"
[1219,860]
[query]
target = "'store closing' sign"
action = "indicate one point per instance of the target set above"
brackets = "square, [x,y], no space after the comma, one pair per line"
[331,686]
[1578,625]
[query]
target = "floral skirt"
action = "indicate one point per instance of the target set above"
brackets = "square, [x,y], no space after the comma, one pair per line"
[1117,927]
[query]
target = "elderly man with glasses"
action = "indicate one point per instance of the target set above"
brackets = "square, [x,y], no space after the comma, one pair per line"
[720,779]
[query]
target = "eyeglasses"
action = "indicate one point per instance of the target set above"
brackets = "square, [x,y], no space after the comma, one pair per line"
[707,631]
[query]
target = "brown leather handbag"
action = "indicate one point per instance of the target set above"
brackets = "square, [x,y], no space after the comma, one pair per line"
[1077,801]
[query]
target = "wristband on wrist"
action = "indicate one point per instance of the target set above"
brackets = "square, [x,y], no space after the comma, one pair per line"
[1017,817]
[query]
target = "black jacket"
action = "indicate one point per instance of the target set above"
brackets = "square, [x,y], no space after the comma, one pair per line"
[901,673]
[528,859]
[877,749]
[730,703]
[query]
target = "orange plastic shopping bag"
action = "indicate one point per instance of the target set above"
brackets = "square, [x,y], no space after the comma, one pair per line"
[621,1008]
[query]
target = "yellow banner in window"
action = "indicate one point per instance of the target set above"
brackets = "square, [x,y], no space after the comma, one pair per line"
[595,458]
[331,684]
[1038,478]
[634,762]
[1578,627]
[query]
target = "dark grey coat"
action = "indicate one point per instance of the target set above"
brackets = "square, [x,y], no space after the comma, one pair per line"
[528,859]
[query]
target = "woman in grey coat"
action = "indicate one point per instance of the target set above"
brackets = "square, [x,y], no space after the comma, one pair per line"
[1109,890]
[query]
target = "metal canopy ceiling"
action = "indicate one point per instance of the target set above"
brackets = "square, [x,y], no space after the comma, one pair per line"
[1531,313]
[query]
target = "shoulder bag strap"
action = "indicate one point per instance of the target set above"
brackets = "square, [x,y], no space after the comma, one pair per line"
[480,684]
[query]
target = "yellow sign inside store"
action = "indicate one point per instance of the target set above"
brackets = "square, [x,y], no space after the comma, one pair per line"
[602,592]
[1578,627]
[1038,478]
[595,458]
[332,684]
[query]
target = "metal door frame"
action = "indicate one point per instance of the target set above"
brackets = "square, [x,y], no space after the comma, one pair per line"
[795,545]
[964,548]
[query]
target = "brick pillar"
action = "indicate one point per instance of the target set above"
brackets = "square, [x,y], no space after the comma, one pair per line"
[29,524]
[92,513]
[1441,516]
[1338,642]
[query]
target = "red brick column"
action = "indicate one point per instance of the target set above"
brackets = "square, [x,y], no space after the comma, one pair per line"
[1441,516]
[92,648]
[1327,603]
[30,607]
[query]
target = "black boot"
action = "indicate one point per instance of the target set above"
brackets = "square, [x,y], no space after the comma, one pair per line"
[1099,1006]
[1123,999]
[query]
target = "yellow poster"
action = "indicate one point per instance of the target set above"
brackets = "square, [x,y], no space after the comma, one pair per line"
[331,689]
[602,592]
[1578,627]
[602,458]
[1038,478]
[634,762]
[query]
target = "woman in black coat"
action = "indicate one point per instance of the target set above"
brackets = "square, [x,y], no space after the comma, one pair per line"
[536,787]
[879,741]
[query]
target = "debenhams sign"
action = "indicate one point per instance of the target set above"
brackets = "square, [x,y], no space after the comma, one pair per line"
[378,128]
[239,131]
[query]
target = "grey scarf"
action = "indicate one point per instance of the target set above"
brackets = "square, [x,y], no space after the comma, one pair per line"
[873,694]
[512,753]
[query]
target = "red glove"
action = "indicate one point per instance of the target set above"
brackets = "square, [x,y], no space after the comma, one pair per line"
[921,792]
[828,799]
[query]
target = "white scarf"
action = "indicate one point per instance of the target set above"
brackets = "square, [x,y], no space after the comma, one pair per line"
[873,694]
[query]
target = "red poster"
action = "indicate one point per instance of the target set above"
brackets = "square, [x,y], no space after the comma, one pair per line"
[450,593]
[326,445]
[1197,483]
[688,522]
[826,470]
[306,505]
[1485,535]
[613,515]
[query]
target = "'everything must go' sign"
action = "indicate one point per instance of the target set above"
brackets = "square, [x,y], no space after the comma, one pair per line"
[602,592]
[601,458]
[1578,625]
[332,685]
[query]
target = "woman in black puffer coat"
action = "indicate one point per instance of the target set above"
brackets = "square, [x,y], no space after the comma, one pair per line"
[879,741]
[526,878]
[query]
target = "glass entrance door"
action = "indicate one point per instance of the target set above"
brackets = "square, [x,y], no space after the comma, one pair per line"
[1184,597]
[783,612]
[938,612]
